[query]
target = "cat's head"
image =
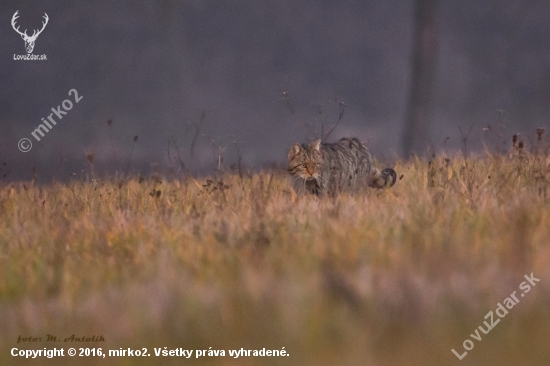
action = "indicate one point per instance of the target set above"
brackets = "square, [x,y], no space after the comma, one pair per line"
[305,161]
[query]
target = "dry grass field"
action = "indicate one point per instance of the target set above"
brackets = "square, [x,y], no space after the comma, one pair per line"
[391,277]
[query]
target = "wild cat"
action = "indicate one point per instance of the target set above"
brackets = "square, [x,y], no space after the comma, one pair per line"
[329,168]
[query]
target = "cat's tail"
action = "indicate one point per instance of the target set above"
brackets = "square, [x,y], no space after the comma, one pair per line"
[383,179]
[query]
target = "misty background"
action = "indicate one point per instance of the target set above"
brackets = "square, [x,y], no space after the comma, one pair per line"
[250,78]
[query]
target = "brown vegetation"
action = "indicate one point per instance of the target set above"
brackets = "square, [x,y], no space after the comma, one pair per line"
[382,277]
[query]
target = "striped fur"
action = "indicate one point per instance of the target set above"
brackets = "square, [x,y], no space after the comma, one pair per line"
[330,168]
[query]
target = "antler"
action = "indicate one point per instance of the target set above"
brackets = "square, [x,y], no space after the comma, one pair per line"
[13,19]
[35,34]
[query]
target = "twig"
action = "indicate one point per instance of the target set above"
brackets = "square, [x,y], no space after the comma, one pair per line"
[465,139]
[198,128]
[340,116]
[131,153]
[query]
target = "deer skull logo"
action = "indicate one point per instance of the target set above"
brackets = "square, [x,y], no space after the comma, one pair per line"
[29,40]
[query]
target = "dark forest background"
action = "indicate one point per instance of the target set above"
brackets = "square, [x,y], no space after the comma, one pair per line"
[252,77]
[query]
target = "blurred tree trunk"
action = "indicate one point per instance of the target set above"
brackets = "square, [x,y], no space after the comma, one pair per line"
[423,68]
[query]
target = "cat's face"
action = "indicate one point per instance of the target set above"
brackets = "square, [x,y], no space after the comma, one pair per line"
[305,163]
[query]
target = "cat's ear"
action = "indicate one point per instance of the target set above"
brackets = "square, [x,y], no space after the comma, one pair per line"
[315,145]
[294,151]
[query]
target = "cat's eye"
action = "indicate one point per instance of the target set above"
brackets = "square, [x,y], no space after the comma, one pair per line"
[303,165]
